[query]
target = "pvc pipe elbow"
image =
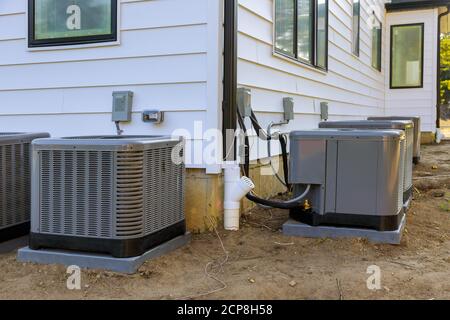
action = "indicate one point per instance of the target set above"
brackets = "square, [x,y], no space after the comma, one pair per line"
[236,188]
[232,203]
[240,189]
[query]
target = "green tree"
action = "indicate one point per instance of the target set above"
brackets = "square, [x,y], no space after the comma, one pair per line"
[445,69]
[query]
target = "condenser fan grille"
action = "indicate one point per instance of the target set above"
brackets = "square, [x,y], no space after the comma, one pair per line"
[14,184]
[164,191]
[76,192]
[121,194]
[130,194]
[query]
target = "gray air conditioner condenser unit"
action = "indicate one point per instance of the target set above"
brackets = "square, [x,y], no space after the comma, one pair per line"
[405,125]
[356,177]
[417,133]
[120,195]
[15,181]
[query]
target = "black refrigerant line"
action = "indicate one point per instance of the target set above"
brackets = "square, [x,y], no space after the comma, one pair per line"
[287,204]
[232,116]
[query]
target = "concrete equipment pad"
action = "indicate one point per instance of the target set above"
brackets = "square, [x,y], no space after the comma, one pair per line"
[99,261]
[298,229]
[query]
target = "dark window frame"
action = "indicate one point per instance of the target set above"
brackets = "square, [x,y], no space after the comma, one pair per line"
[356,52]
[391,49]
[380,47]
[314,25]
[33,43]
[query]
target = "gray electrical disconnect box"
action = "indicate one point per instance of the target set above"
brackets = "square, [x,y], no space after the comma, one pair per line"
[122,105]
[324,111]
[244,102]
[288,106]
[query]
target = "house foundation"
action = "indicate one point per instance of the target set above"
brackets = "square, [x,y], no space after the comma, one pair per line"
[204,194]
[428,138]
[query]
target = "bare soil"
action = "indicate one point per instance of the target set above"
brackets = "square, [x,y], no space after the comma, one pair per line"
[263,264]
[445,128]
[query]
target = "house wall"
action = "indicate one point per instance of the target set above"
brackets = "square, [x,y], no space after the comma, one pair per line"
[413,102]
[352,87]
[169,55]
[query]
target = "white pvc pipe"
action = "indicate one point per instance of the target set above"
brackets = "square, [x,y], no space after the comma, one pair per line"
[439,136]
[235,189]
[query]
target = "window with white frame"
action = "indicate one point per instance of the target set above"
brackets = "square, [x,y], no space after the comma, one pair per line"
[69,22]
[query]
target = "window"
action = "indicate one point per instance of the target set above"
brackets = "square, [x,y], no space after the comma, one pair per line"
[68,22]
[305,30]
[377,37]
[322,34]
[284,26]
[301,30]
[356,26]
[407,56]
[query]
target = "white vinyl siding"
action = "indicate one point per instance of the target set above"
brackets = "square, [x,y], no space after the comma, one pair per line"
[353,89]
[418,101]
[169,55]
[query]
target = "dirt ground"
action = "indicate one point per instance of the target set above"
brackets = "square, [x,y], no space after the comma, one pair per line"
[445,128]
[263,264]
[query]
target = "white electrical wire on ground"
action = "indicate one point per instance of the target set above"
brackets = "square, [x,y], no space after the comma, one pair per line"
[210,266]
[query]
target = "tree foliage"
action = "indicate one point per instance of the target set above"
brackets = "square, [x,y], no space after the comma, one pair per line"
[445,69]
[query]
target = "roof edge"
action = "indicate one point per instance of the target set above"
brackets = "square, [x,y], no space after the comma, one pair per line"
[416,5]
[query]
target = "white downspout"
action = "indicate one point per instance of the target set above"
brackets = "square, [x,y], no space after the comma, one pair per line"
[235,189]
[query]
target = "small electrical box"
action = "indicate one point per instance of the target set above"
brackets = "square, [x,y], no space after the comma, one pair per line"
[153,116]
[122,105]
[288,106]
[244,101]
[324,111]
